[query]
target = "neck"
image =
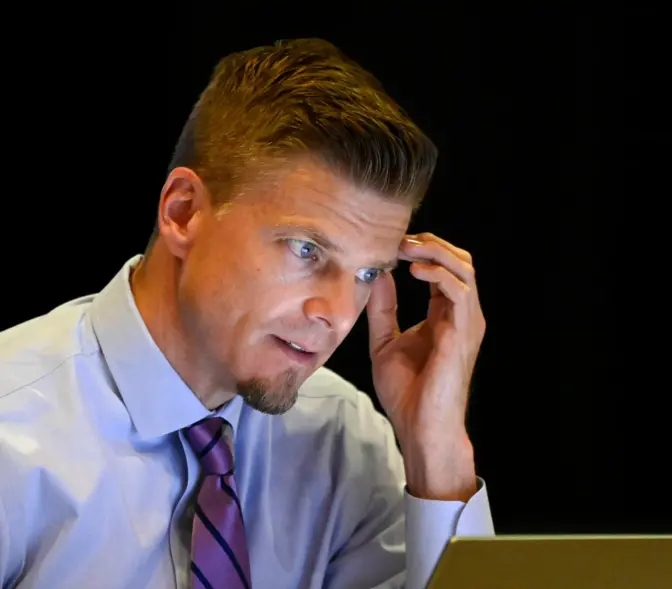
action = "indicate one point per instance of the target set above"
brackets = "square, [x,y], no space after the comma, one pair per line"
[154,284]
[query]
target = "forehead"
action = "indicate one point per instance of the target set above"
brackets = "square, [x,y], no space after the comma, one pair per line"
[309,194]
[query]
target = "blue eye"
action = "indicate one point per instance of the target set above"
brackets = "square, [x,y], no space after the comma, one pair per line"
[305,250]
[369,275]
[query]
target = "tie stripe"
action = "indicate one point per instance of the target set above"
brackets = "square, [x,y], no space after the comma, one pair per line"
[231,493]
[211,444]
[219,549]
[222,543]
[200,576]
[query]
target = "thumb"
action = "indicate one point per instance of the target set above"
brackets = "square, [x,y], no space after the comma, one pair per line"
[381,311]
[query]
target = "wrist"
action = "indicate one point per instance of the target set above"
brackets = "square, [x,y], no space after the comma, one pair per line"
[442,471]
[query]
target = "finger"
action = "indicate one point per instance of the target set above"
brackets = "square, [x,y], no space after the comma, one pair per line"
[381,312]
[440,254]
[463,254]
[447,283]
[427,239]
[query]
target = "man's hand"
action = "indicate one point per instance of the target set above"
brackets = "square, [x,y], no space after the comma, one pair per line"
[422,376]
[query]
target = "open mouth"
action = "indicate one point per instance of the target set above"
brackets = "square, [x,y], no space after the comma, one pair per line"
[295,351]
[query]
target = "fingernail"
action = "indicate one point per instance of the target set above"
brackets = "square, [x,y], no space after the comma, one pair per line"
[412,241]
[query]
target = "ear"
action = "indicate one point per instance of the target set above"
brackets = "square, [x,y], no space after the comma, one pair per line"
[183,205]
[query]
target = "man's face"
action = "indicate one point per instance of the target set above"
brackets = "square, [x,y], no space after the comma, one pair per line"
[291,262]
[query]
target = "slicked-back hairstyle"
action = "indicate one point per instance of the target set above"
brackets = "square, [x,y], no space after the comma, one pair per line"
[303,97]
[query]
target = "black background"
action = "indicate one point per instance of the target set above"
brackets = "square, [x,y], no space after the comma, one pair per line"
[527,111]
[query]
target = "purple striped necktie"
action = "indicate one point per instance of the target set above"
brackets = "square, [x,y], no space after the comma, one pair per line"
[219,558]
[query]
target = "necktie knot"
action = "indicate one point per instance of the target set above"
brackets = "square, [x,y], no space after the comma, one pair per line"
[210,441]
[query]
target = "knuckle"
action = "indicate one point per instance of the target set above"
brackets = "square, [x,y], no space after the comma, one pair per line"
[445,273]
[463,294]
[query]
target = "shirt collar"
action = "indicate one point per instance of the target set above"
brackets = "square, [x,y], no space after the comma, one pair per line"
[157,399]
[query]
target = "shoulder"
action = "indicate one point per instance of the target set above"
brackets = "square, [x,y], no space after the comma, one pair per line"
[45,364]
[340,439]
[338,399]
[38,409]
[330,406]
[334,432]
[325,383]
[331,418]
[36,348]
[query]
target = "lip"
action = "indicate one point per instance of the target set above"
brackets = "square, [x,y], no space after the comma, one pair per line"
[309,348]
[301,357]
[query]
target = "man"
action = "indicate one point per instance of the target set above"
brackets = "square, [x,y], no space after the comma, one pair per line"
[178,429]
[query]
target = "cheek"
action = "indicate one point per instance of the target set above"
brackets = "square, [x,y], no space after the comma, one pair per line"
[216,287]
[270,291]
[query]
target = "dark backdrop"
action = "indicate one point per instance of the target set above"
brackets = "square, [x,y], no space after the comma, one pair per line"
[530,131]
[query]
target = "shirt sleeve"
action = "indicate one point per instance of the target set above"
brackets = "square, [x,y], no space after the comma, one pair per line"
[398,538]
[4,547]
[430,524]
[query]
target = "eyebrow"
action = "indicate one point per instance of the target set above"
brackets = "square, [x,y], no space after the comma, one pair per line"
[317,236]
[326,244]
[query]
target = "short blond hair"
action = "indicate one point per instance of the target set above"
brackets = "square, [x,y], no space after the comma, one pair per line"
[303,96]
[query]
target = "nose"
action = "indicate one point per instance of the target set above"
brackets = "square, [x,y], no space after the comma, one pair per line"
[336,304]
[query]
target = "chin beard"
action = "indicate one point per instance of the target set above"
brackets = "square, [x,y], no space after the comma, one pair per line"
[268,398]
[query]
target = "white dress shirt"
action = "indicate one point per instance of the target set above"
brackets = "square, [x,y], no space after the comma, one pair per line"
[97,480]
